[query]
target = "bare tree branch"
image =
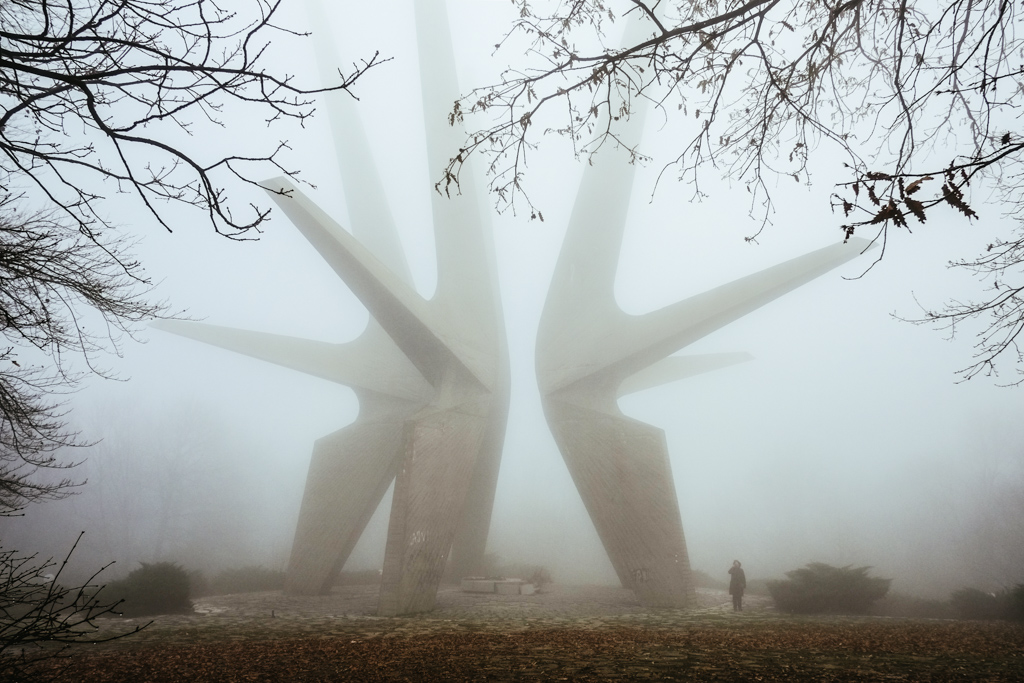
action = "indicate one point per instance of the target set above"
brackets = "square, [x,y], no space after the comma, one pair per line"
[921,98]
[40,618]
[95,94]
[100,99]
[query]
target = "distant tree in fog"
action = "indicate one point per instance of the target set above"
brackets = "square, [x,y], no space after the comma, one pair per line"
[991,531]
[170,486]
[107,108]
[918,98]
[179,483]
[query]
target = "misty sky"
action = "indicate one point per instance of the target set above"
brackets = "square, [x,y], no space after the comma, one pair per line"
[846,440]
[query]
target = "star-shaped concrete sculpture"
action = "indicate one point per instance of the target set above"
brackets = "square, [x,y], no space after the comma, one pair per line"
[431,376]
[590,353]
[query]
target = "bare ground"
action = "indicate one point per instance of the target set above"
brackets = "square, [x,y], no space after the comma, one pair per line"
[566,633]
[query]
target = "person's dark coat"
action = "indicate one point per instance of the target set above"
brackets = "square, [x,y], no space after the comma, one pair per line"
[737,581]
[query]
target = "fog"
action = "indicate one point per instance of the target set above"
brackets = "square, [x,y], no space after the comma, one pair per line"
[846,440]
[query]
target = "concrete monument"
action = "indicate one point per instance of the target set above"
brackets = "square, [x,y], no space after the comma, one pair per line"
[431,376]
[590,353]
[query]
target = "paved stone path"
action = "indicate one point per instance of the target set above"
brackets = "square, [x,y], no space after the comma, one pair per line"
[350,610]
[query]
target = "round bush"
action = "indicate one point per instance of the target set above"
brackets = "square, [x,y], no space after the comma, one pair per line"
[819,588]
[158,588]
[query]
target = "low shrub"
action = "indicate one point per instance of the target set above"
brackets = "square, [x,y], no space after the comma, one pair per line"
[251,579]
[1015,603]
[910,607]
[158,588]
[820,588]
[971,603]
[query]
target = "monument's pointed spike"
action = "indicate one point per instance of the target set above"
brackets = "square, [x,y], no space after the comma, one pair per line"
[584,278]
[632,343]
[665,331]
[467,289]
[371,362]
[675,368]
[402,312]
[368,208]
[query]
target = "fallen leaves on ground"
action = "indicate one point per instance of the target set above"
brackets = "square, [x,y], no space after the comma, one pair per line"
[878,649]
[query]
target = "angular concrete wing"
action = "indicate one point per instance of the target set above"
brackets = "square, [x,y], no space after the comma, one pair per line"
[620,465]
[589,353]
[432,377]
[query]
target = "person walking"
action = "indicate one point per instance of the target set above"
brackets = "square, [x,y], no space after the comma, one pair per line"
[737,584]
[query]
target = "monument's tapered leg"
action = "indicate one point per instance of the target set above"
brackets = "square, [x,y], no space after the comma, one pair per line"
[351,468]
[349,473]
[621,469]
[431,490]
[467,553]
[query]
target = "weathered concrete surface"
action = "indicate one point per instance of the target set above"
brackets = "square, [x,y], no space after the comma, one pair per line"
[348,475]
[431,376]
